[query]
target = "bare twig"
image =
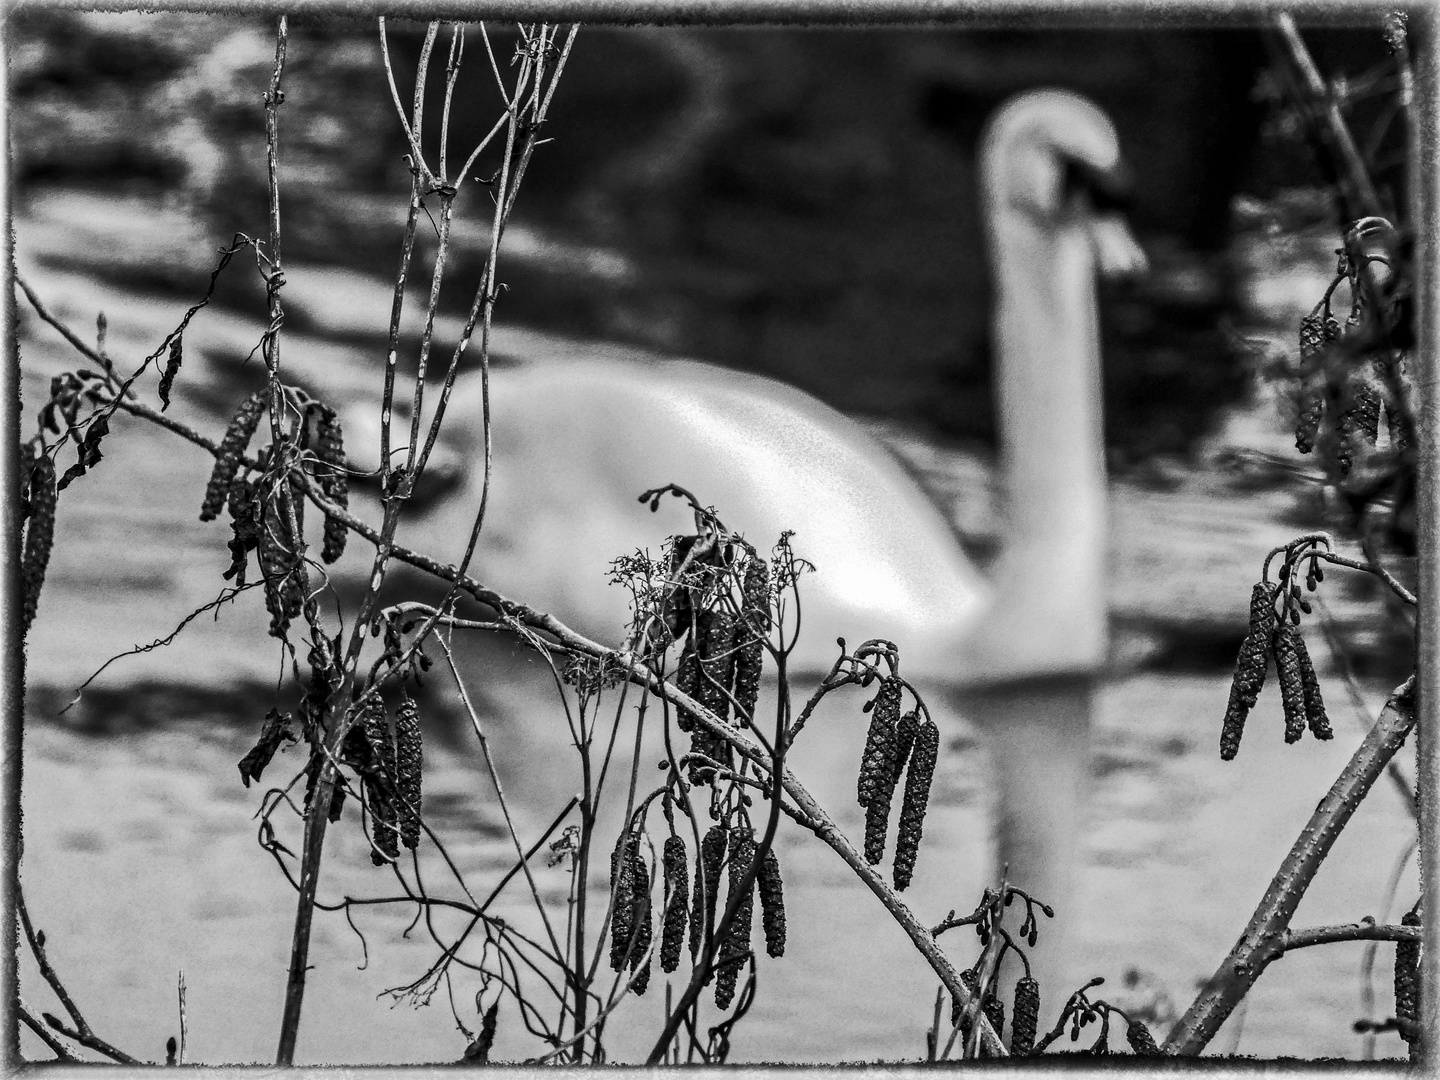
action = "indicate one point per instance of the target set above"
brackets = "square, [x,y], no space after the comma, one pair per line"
[30,1020]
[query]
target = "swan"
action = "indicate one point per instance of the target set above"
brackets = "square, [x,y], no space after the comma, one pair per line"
[1017,650]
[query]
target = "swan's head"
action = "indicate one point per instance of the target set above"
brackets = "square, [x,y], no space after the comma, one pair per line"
[1052,158]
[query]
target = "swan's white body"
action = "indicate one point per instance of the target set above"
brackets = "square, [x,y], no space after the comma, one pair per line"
[575,443]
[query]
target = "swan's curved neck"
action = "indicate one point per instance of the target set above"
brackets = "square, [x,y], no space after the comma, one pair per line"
[1051,574]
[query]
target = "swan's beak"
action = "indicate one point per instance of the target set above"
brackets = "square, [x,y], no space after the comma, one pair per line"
[1118,255]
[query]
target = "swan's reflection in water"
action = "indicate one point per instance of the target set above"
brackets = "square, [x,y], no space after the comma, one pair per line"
[141,861]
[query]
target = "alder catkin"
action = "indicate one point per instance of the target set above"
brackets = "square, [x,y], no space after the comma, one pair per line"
[237,438]
[751,631]
[333,480]
[1250,666]
[687,680]
[677,897]
[917,796]
[641,918]
[1315,715]
[1292,685]
[622,885]
[957,1007]
[380,786]
[1310,405]
[737,942]
[1026,1017]
[408,752]
[1407,982]
[717,663]
[880,746]
[172,368]
[1140,1039]
[707,884]
[772,903]
[39,538]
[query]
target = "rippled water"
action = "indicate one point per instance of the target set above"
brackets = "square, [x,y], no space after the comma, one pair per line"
[141,861]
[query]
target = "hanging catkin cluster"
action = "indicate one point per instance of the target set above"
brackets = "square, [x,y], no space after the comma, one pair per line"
[1026,1017]
[736,946]
[992,1006]
[41,495]
[1276,635]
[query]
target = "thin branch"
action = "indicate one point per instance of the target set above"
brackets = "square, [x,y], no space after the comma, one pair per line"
[1256,946]
[30,1020]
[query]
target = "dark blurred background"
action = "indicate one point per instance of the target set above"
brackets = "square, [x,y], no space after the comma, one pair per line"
[800,203]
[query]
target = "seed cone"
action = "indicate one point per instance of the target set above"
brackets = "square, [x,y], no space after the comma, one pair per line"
[1027,1016]
[737,942]
[1292,683]
[1314,705]
[237,437]
[1250,666]
[408,752]
[39,538]
[707,885]
[1140,1039]
[751,630]
[772,903]
[1407,982]
[677,896]
[917,795]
